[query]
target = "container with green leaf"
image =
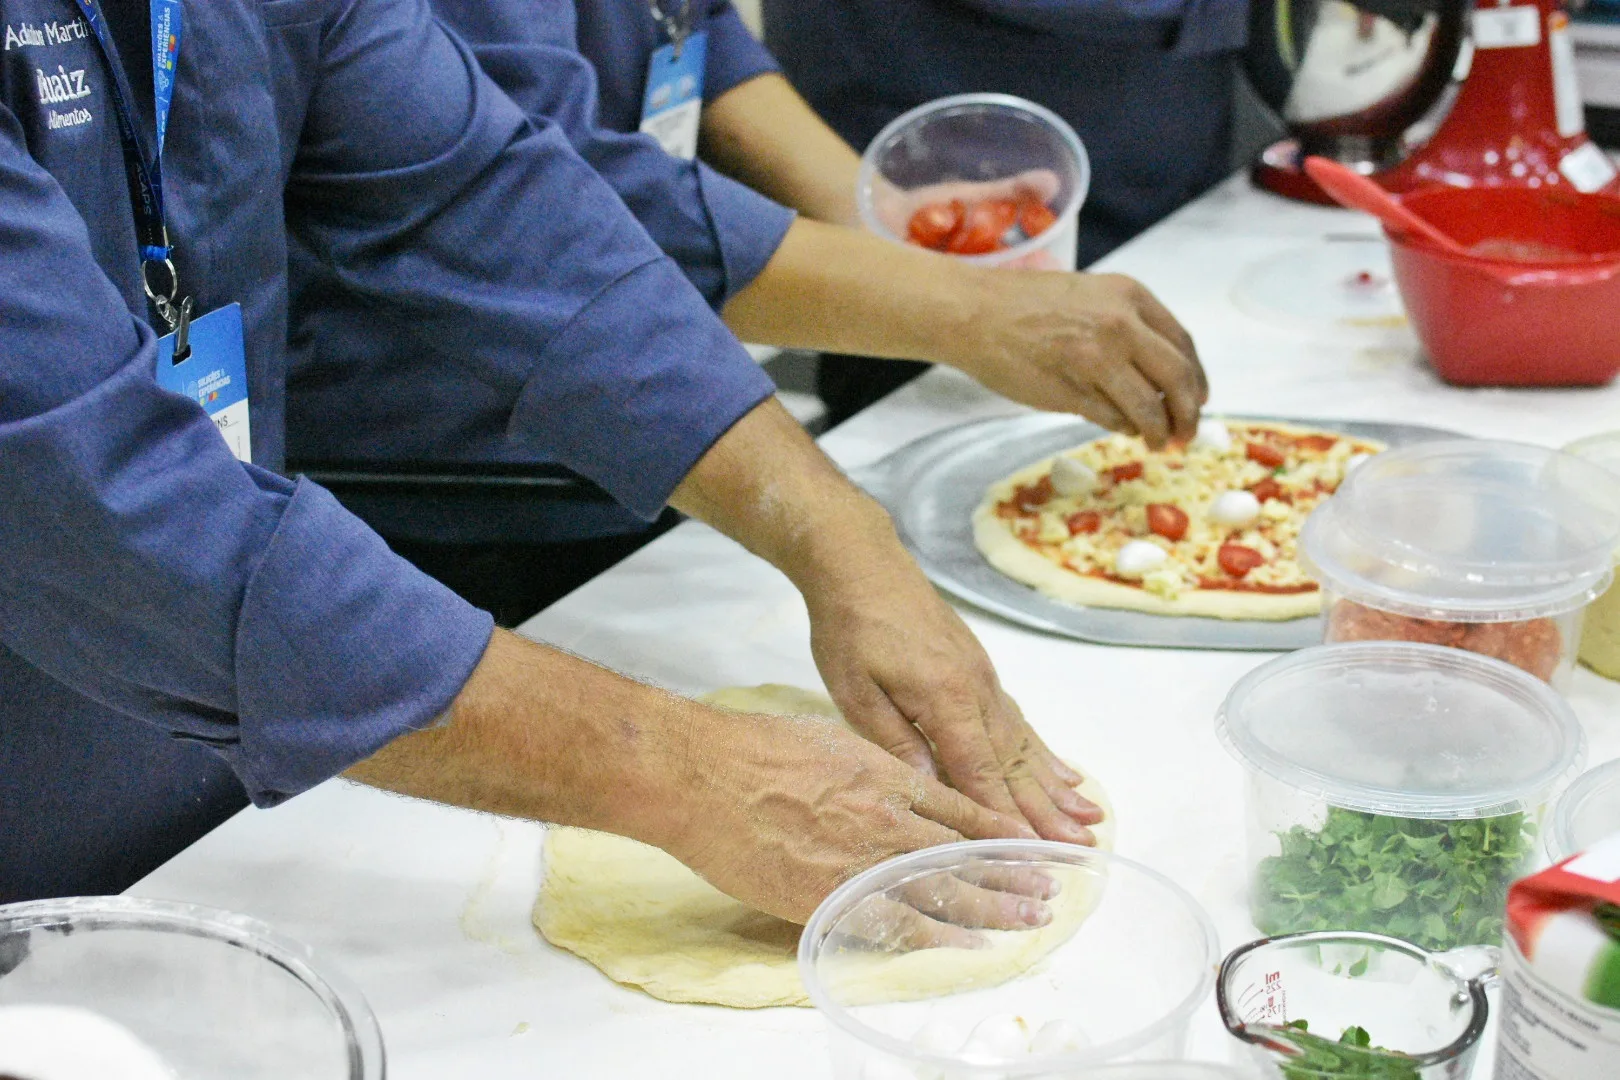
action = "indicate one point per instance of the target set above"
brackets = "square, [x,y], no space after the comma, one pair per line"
[1394,788]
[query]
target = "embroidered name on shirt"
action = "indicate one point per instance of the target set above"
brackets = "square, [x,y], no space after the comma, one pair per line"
[62,87]
[52,33]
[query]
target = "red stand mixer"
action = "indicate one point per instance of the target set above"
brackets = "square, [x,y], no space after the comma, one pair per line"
[1415,93]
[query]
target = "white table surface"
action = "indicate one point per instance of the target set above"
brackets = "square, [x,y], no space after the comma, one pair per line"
[427,908]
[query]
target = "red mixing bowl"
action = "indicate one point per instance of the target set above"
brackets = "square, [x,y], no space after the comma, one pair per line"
[1549,315]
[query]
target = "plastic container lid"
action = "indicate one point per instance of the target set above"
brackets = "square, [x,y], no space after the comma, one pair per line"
[1402,729]
[1469,529]
[1340,283]
[1601,450]
[1587,812]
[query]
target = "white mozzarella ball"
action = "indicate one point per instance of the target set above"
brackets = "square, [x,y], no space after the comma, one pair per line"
[1138,558]
[939,1038]
[1212,435]
[1071,478]
[998,1038]
[1235,509]
[886,1069]
[1058,1037]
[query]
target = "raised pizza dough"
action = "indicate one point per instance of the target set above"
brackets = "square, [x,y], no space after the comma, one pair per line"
[1003,549]
[648,922]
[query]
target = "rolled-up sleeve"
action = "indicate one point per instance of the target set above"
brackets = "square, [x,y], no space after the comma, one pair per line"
[735,54]
[719,232]
[486,239]
[146,568]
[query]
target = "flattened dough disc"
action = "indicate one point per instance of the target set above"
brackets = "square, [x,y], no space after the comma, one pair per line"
[648,922]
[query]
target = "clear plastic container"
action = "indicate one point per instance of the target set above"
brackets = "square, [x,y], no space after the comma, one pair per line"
[1600,629]
[1113,977]
[216,996]
[1588,811]
[1394,788]
[1490,547]
[928,155]
[1430,1008]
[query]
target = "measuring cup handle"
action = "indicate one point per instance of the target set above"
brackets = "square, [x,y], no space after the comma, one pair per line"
[1473,963]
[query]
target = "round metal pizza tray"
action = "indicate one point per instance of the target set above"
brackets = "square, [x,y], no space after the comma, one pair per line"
[932,486]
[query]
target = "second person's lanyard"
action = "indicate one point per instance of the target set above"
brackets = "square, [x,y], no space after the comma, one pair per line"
[143,164]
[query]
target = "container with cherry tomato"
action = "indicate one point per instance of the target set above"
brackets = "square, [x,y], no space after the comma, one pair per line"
[986,177]
[1491,547]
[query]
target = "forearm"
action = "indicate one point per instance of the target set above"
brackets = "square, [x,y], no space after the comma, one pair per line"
[768,486]
[835,289]
[537,733]
[765,135]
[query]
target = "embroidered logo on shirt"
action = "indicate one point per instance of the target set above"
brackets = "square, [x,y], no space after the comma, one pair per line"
[49,34]
[61,87]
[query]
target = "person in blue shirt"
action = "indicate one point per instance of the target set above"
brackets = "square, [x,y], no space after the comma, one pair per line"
[150,575]
[797,272]
[1147,85]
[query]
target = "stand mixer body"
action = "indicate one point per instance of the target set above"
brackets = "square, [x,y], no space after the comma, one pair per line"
[1420,92]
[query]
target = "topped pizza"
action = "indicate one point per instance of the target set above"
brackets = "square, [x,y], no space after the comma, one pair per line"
[1208,529]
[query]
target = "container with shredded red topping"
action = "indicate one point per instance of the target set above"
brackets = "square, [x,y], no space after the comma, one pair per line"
[1491,547]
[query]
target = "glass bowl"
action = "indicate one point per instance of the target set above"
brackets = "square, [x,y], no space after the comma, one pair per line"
[216,996]
[1114,976]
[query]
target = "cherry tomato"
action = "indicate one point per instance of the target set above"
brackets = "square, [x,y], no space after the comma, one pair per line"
[981,231]
[1033,496]
[1267,489]
[1035,218]
[1122,473]
[1319,444]
[933,225]
[1266,455]
[1084,521]
[1168,521]
[1238,560]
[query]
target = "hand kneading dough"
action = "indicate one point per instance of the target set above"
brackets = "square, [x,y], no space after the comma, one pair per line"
[648,922]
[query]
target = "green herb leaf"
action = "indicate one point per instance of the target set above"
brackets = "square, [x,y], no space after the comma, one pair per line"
[1438,884]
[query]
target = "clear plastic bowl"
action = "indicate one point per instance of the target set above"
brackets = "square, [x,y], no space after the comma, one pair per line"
[1600,630]
[1429,1007]
[1394,788]
[1491,547]
[976,138]
[1114,976]
[1588,811]
[217,996]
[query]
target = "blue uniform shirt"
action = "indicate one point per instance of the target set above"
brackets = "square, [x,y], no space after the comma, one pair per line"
[144,568]
[1147,84]
[365,387]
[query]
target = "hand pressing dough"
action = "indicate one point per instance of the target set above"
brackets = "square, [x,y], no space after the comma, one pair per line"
[647,921]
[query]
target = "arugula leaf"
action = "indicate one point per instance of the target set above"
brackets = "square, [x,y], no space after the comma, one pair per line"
[1353,1057]
[1437,884]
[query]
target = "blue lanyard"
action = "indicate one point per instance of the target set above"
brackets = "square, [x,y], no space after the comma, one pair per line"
[145,165]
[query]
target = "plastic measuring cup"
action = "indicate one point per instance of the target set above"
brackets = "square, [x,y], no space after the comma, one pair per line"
[1492,547]
[1600,629]
[1431,1008]
[217,996]
[1587,811]
[1394,788]
[1114,976]
[976,138]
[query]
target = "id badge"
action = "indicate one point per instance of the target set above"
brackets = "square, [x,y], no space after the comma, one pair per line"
[673,104]
[214,375]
